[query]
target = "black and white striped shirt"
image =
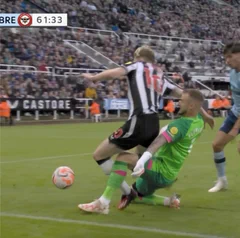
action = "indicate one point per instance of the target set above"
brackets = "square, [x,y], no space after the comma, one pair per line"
[146,85]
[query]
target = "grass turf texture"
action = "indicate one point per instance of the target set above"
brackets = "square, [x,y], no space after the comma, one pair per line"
[36,151]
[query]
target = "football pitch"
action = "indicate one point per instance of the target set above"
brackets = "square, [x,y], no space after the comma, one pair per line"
[32,207]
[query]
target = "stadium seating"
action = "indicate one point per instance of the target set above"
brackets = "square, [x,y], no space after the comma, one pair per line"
[202,19]
[157,23]
[235,3]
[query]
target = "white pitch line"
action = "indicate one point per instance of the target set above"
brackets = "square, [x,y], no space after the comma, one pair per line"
[44,158]
[109,225]
[60,156]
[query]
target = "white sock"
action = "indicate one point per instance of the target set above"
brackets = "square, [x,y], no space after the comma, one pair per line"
[104,201]
[107,168]
[126,190]
[166,201]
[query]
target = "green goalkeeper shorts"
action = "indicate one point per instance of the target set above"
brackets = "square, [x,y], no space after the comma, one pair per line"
[151,179]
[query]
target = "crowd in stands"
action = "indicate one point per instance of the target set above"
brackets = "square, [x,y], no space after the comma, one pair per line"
[202,19]
[39,48]
[28,85]
[235,3]
[206,54]
[42,48]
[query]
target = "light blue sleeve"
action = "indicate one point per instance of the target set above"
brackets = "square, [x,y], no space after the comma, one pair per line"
[235,87]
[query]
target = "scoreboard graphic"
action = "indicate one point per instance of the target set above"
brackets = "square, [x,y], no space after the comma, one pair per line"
[33,19]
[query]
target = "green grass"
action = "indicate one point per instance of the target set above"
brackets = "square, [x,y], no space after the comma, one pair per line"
[26,187]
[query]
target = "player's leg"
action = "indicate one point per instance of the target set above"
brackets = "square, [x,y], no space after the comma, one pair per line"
[151,199]
[140,150]
[116,178]
[154,199]
[218,145]
[123,139]
[148,131]
[139,132]
[145,186]
[103,154]
[123,162]
[149,182]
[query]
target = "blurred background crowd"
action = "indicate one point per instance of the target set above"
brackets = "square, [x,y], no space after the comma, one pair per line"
[45,49]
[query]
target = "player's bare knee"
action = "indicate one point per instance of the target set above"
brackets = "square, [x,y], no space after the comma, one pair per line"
[96,156]
[217,147]
[122,156]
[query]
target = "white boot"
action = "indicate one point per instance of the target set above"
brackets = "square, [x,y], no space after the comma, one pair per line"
[94,207]
[221,184]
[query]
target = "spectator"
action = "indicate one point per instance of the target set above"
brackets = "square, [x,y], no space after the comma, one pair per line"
[95,108]
[90,92]
[5,111]
[217,102]
[226,103]
[217,105]
[42,66]
[226,106]
[170,108]
[177,77]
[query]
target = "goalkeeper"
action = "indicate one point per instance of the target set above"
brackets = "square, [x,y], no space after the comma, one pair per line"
[159,166]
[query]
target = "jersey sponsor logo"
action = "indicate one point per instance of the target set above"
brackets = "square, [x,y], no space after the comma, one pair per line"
[174,130]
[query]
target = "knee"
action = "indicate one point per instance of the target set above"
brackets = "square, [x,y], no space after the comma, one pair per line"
[96,156]
[121,156]
[217,147]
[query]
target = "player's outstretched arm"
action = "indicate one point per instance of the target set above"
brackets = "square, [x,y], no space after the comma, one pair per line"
[207,118]
[152,149]
[107,74]
[156,144]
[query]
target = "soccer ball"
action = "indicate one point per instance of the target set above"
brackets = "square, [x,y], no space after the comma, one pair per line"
[63,177]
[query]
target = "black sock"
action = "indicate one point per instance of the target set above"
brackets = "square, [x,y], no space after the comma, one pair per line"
[102,160]
[135,189]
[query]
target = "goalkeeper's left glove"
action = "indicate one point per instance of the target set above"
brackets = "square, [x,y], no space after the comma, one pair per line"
[139,168]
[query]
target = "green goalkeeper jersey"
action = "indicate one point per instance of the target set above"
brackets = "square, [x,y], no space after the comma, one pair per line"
[181,135]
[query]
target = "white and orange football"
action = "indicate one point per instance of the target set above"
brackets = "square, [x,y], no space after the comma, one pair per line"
[63,177]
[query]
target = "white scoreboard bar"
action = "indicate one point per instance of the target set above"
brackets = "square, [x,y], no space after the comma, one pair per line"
[33,19]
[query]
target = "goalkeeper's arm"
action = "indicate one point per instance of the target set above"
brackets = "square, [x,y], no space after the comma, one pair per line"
[147,155]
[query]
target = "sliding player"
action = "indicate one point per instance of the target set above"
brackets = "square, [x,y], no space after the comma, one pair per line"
[159,166]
